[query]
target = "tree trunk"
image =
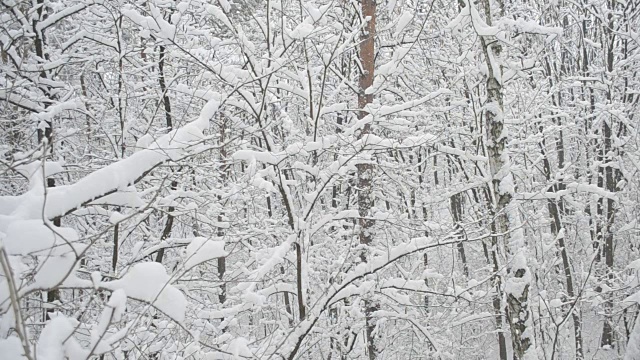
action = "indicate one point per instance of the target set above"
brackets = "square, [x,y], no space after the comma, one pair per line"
[607,339]
[456,211]
[365,170]
[507,217]
[168,226]
[556,209]
[166,232]
[45,136]
[222,261]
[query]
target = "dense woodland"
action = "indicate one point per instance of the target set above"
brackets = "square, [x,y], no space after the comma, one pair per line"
[326,179]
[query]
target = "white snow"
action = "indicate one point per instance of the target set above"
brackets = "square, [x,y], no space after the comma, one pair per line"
[634,265]
[11,348]
[403,21]
[57,343]
[117,176]
[301,31]
[150,283]
[633,346]
[33,237]
[201,250]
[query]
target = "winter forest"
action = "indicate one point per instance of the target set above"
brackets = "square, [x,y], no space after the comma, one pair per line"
[325,179]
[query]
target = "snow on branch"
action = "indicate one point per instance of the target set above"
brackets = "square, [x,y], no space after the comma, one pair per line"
[120,175]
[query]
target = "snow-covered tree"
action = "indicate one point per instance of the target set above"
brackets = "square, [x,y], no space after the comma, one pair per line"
[318,179]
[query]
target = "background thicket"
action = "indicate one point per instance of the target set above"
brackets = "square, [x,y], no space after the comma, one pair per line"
[326,179]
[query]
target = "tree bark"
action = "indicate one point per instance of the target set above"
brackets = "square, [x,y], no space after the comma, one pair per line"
[365,170]
[168,226]
[456,210]
[607,339]
[222,261]
[507,217]
[45,136]
[556,209]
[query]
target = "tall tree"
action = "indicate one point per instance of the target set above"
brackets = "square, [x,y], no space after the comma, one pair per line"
[506,223]
[364,183]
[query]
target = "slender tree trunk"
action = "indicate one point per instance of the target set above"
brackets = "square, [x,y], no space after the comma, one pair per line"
[556,209]
[456,210]
[45,135]
[507,218]
[222,261]
[121,96]
[163,87]
[497,297]
[365,170]
[168,225]
[287,301]
[609,183]
[557,231]
[116,245]
[298,248]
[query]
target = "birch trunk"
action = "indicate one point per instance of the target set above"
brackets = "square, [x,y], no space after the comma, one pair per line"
[507,223]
